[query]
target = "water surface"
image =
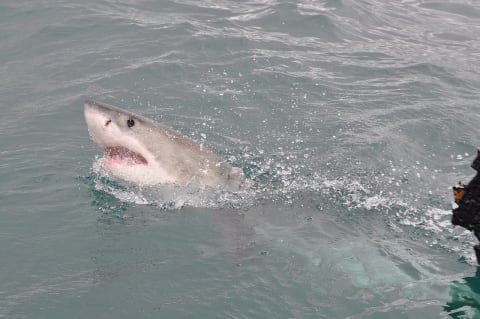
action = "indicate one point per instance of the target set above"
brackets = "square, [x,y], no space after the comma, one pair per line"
[352,119]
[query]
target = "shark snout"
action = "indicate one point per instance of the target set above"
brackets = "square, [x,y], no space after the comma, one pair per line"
[94,116]
[97,123]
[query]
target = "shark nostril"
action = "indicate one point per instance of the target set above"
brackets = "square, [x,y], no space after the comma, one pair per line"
[107,122]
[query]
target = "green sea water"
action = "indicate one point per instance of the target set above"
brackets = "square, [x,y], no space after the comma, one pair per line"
[351,120]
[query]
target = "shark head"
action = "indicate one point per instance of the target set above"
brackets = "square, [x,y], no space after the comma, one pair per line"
[121,135]
[116,131]
[140,150]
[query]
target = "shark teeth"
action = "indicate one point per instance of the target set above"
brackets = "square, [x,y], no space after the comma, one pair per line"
[123,154]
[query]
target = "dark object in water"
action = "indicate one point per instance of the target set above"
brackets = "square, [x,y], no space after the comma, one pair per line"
[467,197]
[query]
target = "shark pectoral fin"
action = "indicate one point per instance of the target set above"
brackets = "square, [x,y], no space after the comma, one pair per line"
[235,179]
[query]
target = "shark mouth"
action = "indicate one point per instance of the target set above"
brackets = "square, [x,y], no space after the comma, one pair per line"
[123,155]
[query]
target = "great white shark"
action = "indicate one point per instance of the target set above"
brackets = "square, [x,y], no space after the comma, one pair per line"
[145,152]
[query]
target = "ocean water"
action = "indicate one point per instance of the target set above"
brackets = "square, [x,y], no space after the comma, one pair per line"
[351,118]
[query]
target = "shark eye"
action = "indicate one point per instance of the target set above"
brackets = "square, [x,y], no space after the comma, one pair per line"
[130,122]
[107,122]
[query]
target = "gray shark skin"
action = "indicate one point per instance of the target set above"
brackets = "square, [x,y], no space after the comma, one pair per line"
[145,152]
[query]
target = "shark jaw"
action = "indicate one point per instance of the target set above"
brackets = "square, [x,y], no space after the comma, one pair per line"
[122,155]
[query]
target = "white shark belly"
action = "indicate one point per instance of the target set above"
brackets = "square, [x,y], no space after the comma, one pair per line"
[145,175]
